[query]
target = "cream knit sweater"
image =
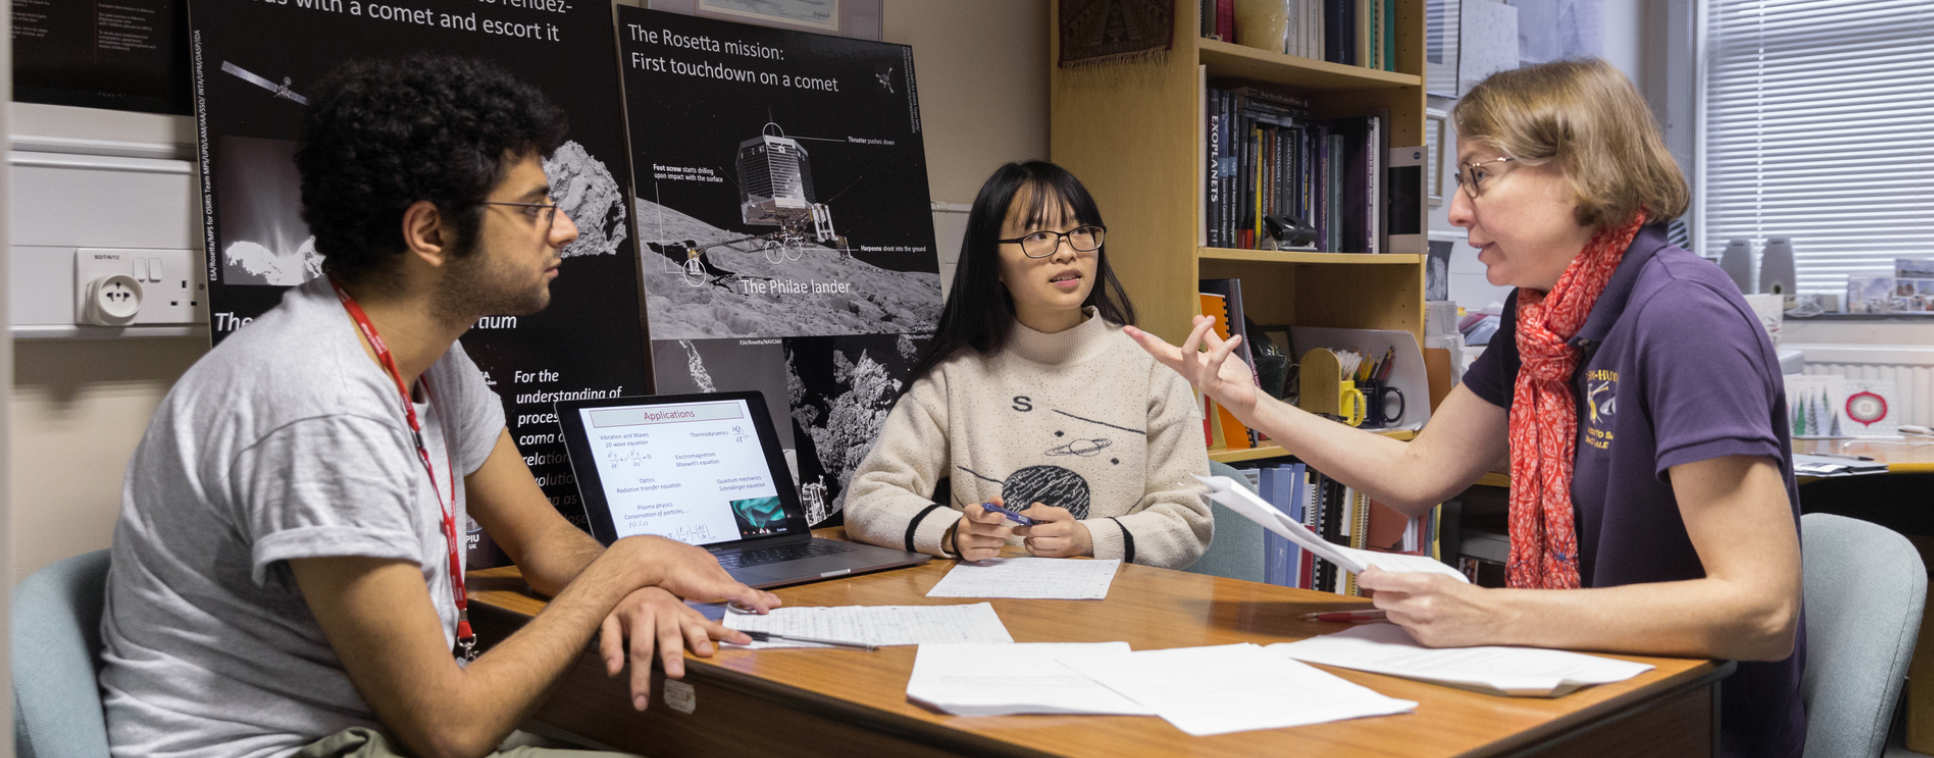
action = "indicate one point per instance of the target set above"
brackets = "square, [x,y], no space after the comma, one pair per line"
[1081,419]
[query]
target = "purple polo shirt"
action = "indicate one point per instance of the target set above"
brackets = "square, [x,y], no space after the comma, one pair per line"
[1677,369]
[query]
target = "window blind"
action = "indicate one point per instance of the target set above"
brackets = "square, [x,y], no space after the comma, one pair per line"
[1819,126]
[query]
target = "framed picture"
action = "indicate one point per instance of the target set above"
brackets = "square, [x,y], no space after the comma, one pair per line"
[1435,122]
[1440,47]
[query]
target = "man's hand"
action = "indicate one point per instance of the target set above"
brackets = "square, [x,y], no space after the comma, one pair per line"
[649,619]
[1436,610]
[688,572]
[1055,533]
[1209,372]
[980,533]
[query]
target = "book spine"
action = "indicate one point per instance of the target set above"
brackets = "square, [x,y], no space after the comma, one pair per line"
[1225,20]
[1214,169]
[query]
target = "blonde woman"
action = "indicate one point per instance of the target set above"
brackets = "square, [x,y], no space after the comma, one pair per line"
[1634,392]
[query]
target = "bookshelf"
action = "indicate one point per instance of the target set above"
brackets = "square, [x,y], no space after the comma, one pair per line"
[1133,133]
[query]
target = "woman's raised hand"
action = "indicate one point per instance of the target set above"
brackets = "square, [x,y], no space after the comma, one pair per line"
[1208,370]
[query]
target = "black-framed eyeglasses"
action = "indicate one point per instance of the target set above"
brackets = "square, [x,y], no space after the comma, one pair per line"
[543,214]
[1041,244]
[1471,175]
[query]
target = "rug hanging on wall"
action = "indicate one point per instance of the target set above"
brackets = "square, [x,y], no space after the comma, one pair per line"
[1115,31]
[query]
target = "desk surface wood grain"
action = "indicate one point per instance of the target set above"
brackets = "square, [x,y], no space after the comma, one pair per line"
[1150,608]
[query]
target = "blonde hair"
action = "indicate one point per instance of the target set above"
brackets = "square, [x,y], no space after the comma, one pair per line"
[1590,119]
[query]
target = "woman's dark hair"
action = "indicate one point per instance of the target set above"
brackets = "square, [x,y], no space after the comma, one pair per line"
[979,312]
[380,135]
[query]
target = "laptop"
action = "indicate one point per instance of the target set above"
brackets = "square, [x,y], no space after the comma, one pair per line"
[706,470]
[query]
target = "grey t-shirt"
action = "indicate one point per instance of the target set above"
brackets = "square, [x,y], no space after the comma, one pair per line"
[286,441]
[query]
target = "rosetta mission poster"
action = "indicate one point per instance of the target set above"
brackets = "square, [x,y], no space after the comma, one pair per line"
[786,238]
[254,61]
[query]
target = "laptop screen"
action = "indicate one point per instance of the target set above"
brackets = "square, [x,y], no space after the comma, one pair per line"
[694,470]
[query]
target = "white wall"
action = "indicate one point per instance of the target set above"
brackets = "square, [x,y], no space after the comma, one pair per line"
[6,369]
[1628,44]
[77,408]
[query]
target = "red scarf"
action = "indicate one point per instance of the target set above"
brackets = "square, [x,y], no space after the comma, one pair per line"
[1544,415]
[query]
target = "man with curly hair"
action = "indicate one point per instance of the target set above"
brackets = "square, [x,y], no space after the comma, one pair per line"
[286,573]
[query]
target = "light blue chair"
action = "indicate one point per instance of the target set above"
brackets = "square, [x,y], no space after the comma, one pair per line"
[56,657]
[1236,552]
[1865,588]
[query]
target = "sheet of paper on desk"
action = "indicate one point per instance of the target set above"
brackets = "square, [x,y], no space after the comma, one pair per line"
[877,624]
[1233,688]
[1034,578]
[1806,464]
[1239,499]
[1520,671]
[1026,677]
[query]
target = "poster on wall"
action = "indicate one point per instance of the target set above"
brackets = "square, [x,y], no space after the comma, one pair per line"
[785,230]
[253,62]
[125,55]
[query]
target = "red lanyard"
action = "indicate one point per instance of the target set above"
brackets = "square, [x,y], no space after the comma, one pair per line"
[466,639]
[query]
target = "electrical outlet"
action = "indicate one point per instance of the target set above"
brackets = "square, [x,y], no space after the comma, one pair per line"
[168,289]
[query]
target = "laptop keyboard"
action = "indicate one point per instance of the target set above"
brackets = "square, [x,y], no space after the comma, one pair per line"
[745,558]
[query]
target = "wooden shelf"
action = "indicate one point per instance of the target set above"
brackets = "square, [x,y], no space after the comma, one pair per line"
[1305,256]
[1494,479]
[1226,59]
[1260,452]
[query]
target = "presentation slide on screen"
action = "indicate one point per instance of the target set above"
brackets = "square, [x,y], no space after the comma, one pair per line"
[693,472]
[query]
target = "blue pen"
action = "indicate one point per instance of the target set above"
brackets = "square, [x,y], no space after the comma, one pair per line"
[1011,516]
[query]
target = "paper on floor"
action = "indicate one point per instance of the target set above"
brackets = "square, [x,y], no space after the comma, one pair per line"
[1521,671]
[1027,677]
[1034,578]
[1232,688]
[877,624]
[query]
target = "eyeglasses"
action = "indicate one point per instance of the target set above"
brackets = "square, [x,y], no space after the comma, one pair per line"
[1472,177]
[1041,244]
[544,213]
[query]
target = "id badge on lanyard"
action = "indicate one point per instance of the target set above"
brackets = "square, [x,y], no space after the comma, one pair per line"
[466,638]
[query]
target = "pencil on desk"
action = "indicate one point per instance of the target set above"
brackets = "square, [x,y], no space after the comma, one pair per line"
[772,636]
[1346,616]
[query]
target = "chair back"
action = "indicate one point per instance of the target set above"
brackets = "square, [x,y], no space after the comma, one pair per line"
[56,659]
[1236,551]
[1865,588]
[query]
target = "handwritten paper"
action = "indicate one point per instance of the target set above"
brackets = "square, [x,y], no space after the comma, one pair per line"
[875,624]
[1239,499]
[1033,578]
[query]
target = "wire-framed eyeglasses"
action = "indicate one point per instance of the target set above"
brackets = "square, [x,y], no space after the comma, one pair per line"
[1042,243]
[1471,175]
[542,214]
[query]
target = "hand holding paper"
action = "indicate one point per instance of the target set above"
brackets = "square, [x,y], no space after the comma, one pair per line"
[1237,498]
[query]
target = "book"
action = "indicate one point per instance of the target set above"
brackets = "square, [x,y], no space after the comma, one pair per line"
[1404,201]
[1228,430]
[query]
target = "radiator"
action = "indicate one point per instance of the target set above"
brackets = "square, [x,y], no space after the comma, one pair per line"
[1910,367]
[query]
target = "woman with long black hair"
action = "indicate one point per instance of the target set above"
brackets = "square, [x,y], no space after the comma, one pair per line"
[1049,424]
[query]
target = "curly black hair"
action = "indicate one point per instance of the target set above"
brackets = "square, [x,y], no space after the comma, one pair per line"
[380,135]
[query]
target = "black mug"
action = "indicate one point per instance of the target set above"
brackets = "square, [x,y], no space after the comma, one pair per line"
[1383,404]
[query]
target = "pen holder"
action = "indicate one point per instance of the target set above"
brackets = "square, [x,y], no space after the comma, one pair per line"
[1319,368]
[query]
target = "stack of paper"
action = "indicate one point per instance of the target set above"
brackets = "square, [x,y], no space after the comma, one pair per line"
[1228,492]
[998,680]
[1034,578]
[875,624]
[1523,671]
[1805,464]
[1233,688]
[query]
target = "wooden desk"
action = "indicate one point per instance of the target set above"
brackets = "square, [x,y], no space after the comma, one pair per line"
[1906,455]
[853,703]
